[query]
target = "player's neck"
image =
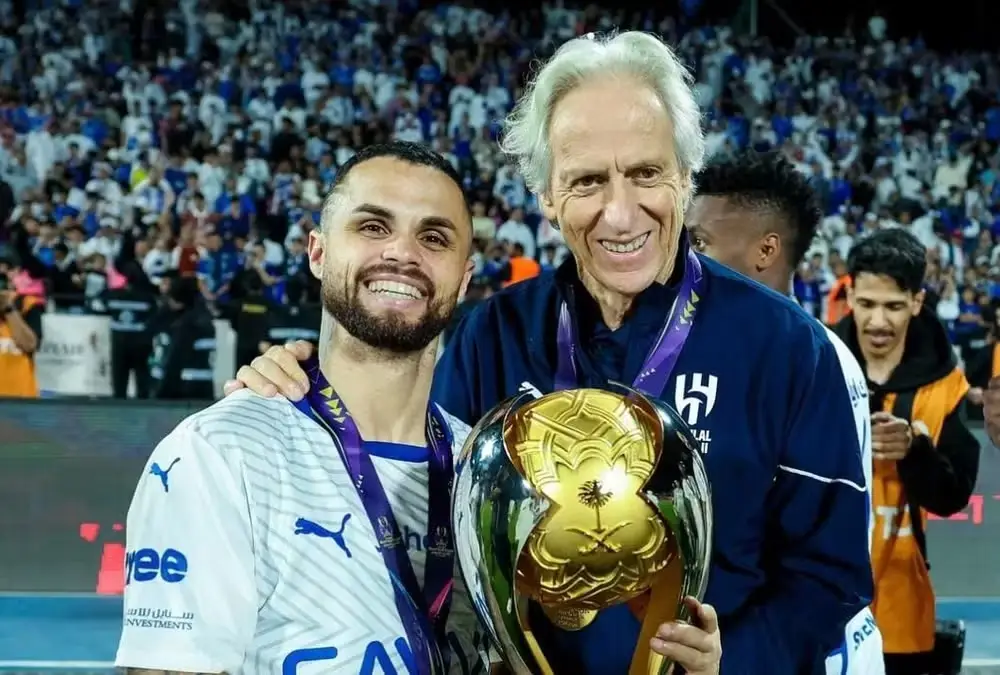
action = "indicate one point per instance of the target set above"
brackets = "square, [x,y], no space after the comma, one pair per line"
[386,393]
[780,282]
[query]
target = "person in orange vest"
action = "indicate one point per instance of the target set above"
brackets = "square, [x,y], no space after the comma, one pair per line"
[20,336]
[989,396]
[520,266]
[925,458]
[836,299]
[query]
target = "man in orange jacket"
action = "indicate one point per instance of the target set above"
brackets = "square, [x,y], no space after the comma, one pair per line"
[520,267]
[925,459]
[20,336]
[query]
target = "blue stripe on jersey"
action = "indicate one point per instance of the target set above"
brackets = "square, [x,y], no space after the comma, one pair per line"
[399,452]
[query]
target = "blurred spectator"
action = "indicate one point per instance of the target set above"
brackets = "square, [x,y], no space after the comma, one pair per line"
[131,308]
[250,317]
[520,266]
[183,345]
[212,143]
[20,336]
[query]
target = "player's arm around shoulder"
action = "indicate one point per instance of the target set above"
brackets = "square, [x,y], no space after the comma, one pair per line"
[190,602]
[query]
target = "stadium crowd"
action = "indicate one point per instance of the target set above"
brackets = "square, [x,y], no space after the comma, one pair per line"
[183,159]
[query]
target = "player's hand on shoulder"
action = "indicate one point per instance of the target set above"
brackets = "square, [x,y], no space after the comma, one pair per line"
[697,646]
[277,371]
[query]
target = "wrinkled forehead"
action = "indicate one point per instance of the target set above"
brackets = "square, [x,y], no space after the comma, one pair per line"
[611,123]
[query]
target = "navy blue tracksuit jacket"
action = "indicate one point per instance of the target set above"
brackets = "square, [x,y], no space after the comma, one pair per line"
[762,388]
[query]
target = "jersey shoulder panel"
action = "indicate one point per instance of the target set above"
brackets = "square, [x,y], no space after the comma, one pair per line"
[244,422]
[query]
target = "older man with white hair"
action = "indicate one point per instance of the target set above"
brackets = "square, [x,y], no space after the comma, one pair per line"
[608,136]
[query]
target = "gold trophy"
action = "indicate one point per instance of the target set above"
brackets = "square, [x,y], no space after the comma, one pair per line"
[578,501]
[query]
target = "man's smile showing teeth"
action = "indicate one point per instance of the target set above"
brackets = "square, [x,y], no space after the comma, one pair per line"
[395,289]
[625,246]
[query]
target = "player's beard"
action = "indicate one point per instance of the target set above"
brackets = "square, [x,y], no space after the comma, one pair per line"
[391,331]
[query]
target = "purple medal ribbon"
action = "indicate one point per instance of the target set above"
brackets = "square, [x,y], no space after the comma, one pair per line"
[662,357]
[424,613]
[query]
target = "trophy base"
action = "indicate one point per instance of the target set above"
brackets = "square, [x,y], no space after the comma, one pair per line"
[570,618]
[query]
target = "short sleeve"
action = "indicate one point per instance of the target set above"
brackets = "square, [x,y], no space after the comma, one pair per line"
[190,595]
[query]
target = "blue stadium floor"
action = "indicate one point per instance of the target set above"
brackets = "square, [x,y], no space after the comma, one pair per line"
[79,633]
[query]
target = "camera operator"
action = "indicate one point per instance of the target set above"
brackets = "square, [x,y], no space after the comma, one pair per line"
[20,336]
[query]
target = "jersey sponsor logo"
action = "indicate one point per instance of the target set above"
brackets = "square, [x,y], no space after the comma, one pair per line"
[859,392]
[866,630]
[377,661]
[694,400]
[309,527]
[147,564]
[159,619]
[416,541]
[163,474]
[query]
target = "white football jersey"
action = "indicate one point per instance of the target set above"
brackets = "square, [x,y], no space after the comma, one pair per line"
[249,551]
[861,651]
[857,385]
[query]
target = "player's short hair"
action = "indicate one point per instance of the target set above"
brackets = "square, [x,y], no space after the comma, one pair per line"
[894,253]
[769,183]
[411,153]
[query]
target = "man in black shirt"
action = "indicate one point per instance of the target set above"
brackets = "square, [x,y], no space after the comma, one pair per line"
[250,318]
[131,309]
[293,322]
[184,346]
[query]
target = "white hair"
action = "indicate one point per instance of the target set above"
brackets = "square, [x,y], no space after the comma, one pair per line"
[633,53]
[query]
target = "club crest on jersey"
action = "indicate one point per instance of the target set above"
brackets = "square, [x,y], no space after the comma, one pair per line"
[694,399]
[386,534]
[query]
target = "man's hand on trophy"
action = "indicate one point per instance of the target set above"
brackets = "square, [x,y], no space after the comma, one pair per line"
[696,646]
[277,371]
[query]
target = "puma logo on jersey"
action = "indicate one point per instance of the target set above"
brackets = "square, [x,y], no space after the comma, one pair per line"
[163,474]
[304,526]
